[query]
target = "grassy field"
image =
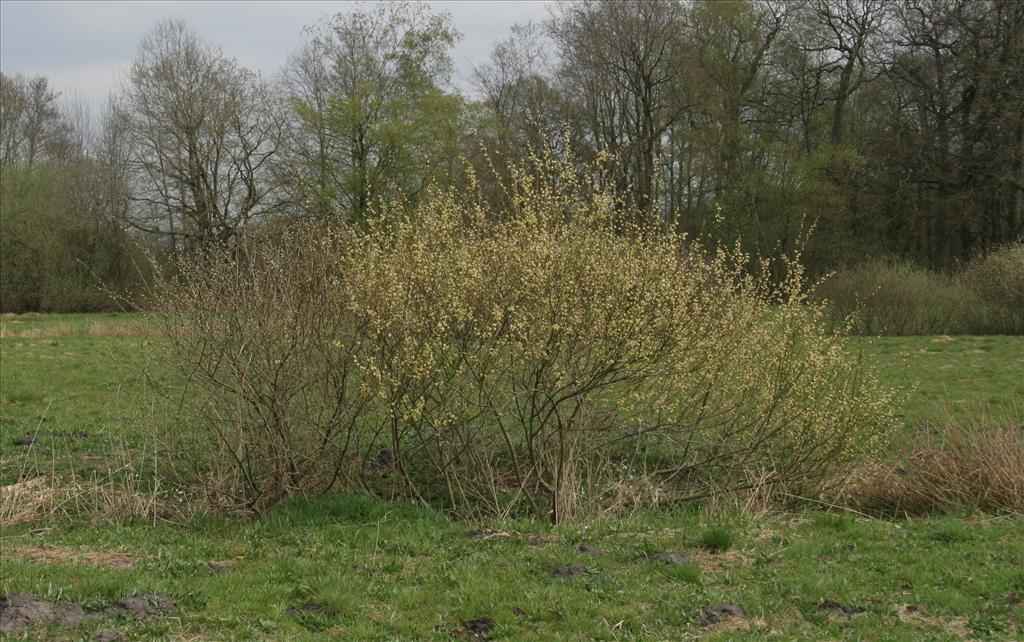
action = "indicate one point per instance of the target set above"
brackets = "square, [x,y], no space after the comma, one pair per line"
[962,377]
[74,393]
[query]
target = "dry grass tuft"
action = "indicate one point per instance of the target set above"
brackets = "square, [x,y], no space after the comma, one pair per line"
[25,501]
[913,614]
[957,467]
[44,498]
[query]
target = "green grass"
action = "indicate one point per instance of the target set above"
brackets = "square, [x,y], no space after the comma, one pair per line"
[962,377]
[717,538]
[73,324]
[385,571]
[77,396]
[379,570]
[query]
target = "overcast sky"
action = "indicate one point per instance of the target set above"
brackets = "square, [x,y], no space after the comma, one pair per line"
[84,47]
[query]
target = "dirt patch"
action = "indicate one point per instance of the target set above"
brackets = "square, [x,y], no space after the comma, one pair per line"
[142,606]
[588,550]
[718,613]
[670,558]
[836,607]
[476,629]
[21,611]
[56,555]
[571,570]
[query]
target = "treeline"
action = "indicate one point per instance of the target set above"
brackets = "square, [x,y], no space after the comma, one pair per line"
[869,127]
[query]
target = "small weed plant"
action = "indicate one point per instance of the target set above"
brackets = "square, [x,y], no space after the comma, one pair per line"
[717,538]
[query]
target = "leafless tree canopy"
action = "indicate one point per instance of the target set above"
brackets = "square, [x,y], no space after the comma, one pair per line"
[201,133]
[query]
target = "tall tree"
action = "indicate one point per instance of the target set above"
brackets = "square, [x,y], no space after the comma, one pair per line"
[947,149]
[850,31]
[30,119]
[372,117]
[622,64]
[201,130]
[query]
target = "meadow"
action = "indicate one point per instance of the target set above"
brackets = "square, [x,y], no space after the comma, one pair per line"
[74,399]
[676,330]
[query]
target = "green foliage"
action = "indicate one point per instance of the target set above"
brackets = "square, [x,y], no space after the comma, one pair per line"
[374,120]
[53,256]
[28,250]
[997,278]
[893,297]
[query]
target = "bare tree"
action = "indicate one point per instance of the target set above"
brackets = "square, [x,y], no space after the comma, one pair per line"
[30,119]
[201,131]
[622,63]
[306,164]
[850,29]
[517,89]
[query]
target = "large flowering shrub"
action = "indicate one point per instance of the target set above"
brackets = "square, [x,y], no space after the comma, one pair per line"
[546,358]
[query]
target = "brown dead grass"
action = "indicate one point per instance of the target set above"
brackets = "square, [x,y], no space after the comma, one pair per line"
[716,562]
[42,498]
[914,615]
[955,467]
[60,555]
[23,502]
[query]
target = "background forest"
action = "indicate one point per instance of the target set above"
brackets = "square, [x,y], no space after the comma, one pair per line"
[848,129]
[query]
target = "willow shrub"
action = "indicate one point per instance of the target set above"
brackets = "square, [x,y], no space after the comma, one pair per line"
[997,278]
[543,359]
[892,297]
